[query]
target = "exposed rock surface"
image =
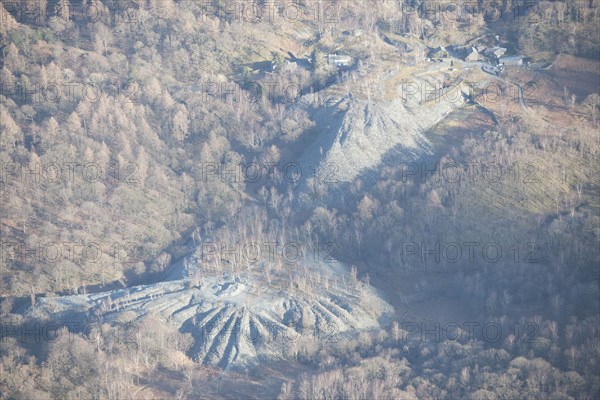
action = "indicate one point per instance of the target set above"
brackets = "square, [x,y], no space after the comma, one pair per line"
[239,320]
[356,135]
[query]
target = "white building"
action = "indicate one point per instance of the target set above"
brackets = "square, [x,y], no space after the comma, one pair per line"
[339,60]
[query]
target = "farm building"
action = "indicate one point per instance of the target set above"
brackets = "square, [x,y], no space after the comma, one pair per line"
[511,60]
[472,55]
[495,52]
[339,60]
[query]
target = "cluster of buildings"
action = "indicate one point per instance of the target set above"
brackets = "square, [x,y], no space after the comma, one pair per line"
[340,61]
[487,50]
[494,54]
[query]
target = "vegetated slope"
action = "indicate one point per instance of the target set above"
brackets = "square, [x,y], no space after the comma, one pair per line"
[238,320]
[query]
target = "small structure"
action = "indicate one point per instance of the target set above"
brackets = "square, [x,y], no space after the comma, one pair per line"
[472,55]
[339,60]
[495,52]
[290,66]
[355,33]
[511,60]
[438,52]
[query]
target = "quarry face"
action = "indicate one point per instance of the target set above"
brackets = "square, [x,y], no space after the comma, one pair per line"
[241,319]
[359,136]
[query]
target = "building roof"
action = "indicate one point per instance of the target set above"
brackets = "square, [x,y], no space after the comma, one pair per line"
[516,59]
[338,59]
[472,54]
[495,51]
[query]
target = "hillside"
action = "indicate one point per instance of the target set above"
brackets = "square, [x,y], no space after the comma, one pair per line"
[308,199]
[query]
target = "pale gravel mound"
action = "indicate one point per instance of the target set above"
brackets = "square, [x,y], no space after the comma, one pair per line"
[236,321]
[357,136]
